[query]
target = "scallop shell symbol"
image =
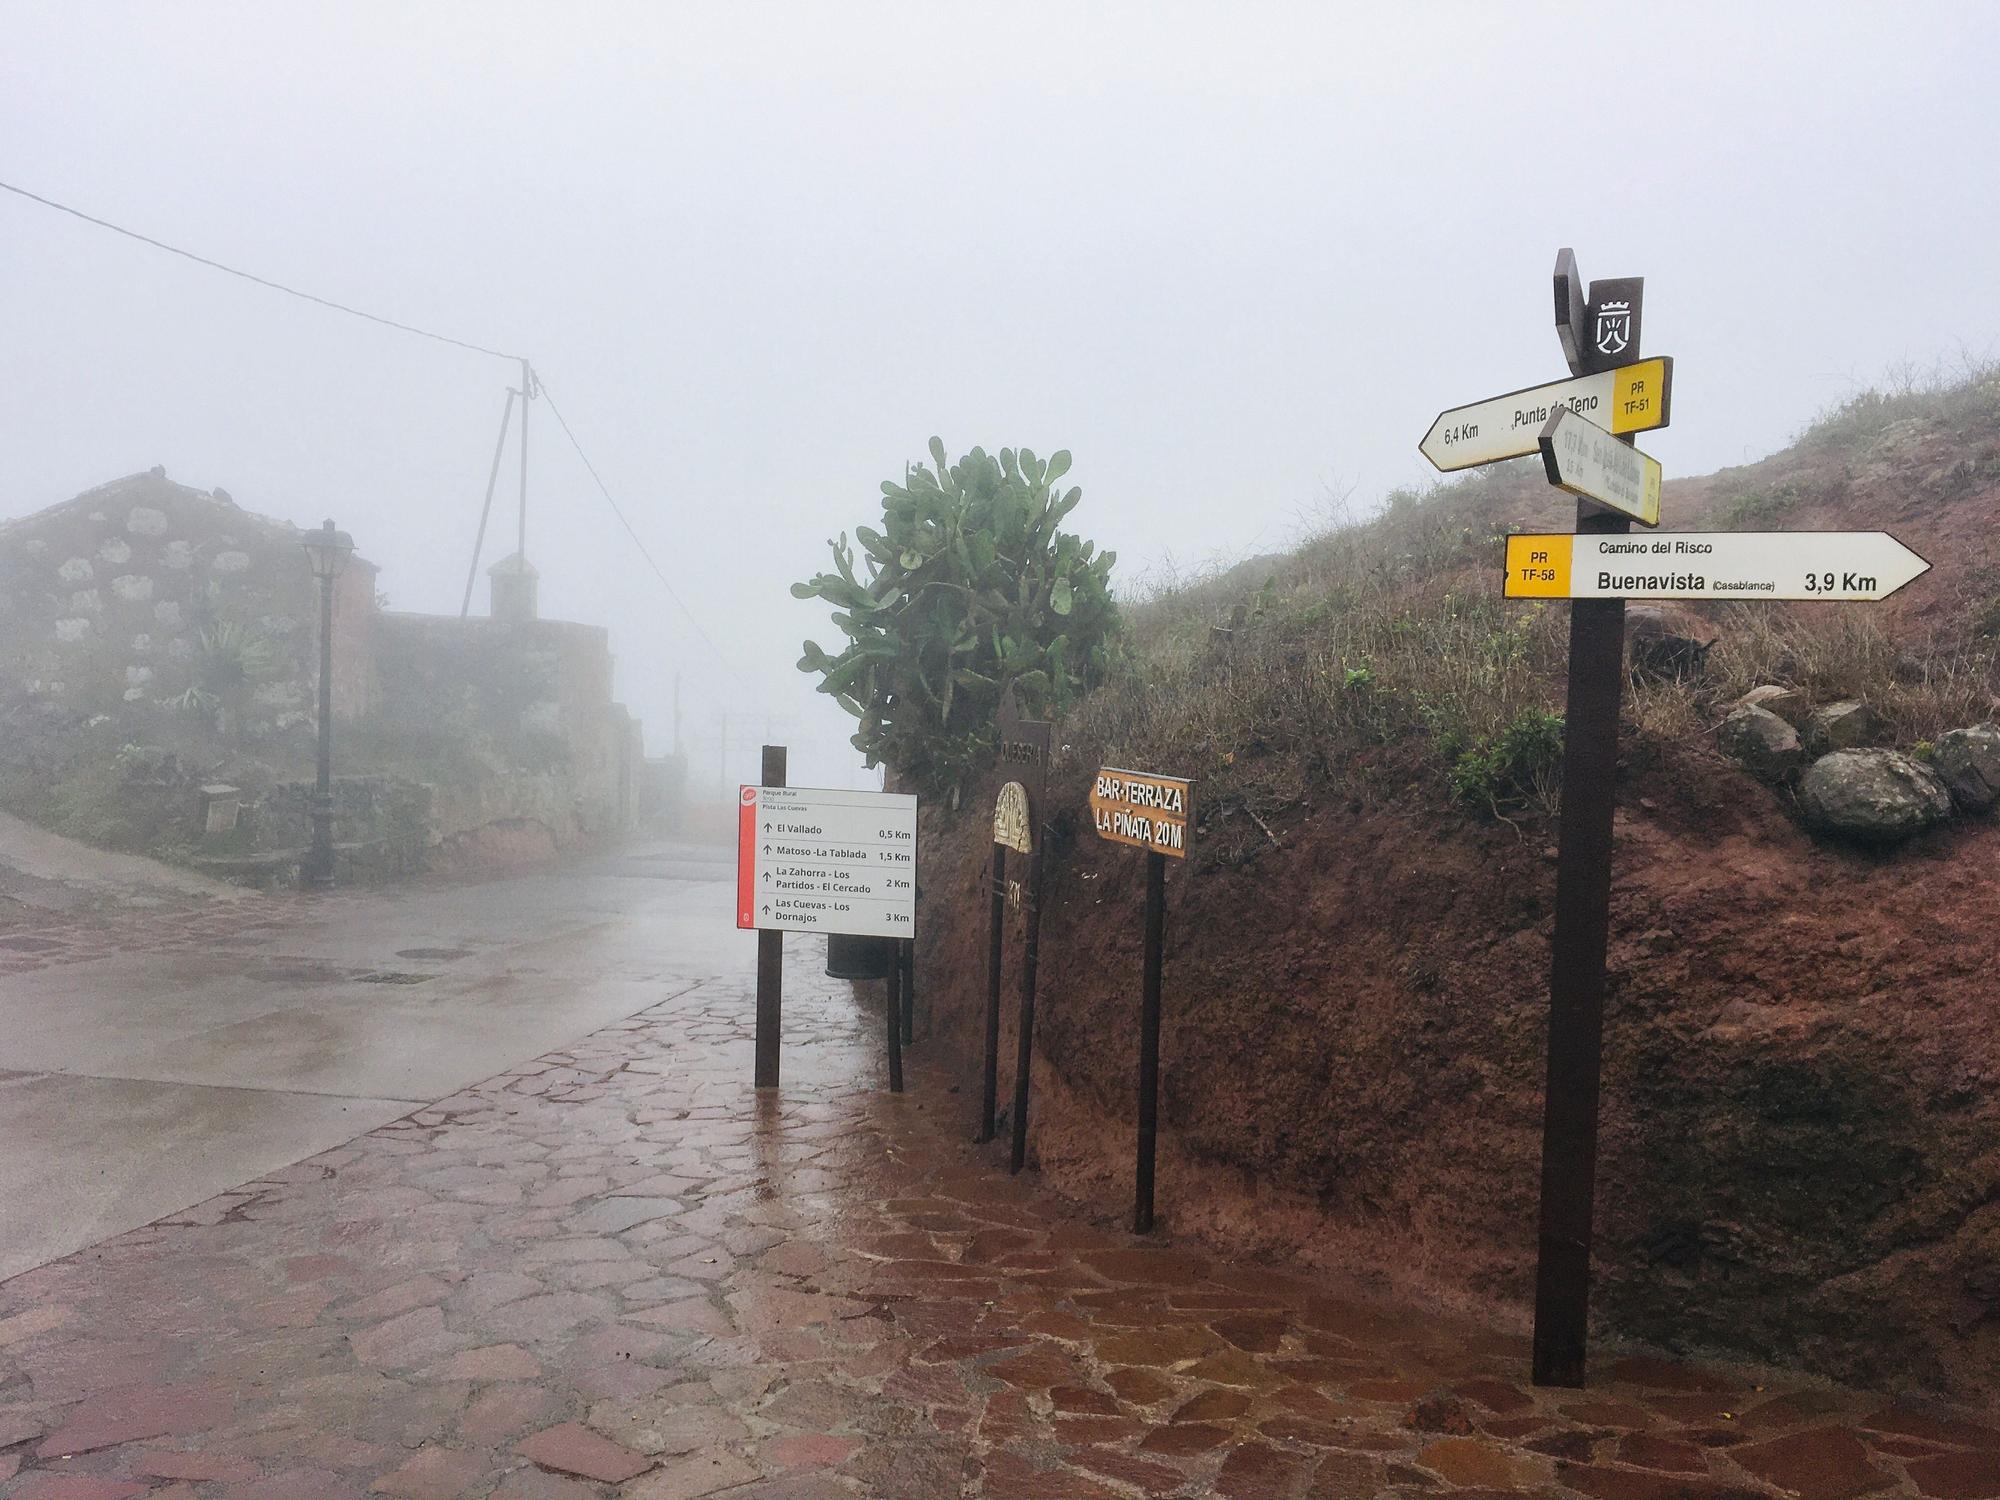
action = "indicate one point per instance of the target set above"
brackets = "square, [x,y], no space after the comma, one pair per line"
[1010,819]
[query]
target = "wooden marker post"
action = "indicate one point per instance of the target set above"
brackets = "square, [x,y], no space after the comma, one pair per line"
[837,863]
[906,977]
[1153,813]
[1615,394]
[1017,825]
[892,1006]
[770,958]
[989,1078]
[1595,336]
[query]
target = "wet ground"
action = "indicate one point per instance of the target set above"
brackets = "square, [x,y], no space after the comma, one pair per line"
[162,1042]
[617,1270]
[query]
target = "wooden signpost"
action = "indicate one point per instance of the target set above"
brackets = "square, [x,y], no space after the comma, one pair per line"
[1583,429]
[1017,825]
[1153,813]
[812,860]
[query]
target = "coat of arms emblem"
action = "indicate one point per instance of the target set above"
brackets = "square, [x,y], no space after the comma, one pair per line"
[1614,327]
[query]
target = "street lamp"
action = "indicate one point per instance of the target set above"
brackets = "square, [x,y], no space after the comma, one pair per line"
[328,551]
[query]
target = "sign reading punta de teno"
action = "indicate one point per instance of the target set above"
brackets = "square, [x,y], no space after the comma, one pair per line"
[1584,459]
[1844,566]
[1630,398]
[812,860]
[1146,811]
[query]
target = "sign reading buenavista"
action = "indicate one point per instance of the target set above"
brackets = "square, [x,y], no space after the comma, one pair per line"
[1138,808]
[1836,565]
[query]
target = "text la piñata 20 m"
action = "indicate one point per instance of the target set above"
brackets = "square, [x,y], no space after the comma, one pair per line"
[1146,811]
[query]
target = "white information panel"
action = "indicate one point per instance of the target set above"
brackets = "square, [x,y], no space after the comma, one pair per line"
[813,860]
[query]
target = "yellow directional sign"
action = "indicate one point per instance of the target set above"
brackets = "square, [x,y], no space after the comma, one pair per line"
[1842,566]
[1631,398]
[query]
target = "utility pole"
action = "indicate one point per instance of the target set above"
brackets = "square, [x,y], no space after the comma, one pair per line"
[677,713]
[527,395]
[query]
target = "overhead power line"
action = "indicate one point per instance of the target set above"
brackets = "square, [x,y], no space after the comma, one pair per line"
[276,286]
[604,490]
[541,385]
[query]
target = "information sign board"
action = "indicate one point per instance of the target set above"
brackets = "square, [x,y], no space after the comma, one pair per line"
[816,860]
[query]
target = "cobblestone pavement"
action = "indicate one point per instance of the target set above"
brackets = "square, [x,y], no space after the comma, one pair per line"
[43,940]
[618,1271]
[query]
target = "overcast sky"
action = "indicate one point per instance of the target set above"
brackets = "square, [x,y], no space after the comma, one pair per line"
[1234,257]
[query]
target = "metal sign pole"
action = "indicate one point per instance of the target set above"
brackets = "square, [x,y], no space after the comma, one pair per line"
[1149,1041]
[770,959]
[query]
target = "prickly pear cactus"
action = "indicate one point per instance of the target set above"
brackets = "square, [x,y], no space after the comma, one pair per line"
[969,585]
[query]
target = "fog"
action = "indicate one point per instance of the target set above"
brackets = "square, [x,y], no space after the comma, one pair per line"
[1235,258]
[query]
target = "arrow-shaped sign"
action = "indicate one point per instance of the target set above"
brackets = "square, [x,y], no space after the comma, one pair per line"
[1631,398]
[1848,566]
[1584,459]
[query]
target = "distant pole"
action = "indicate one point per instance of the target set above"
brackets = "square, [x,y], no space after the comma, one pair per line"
[770,960]
[722,756]
[1149,1040]
[1582,924]
[486,510]
[989,1080]
[527,395]
[677,713]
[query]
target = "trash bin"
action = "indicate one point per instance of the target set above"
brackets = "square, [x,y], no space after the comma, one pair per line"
[852,957]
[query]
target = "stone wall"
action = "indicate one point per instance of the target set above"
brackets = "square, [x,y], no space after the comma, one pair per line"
[143,596]
[146,615]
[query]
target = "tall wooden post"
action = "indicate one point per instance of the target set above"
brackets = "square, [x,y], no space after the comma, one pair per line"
[1149,1040]
[989,1076]
[1583,903]
[770,960]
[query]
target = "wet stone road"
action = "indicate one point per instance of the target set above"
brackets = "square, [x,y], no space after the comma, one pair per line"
[617,1271]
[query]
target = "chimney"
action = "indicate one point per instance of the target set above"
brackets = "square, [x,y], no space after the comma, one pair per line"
[514,585]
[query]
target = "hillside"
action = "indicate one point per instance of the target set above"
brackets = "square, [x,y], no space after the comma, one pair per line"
[1801,1143]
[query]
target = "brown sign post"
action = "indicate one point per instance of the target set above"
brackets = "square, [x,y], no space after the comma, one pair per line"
[1600,334]
[1153,813]
[1017,824]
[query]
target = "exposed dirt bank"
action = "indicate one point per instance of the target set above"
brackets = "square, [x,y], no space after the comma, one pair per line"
[1801,1145]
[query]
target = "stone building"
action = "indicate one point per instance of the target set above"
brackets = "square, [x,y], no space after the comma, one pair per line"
[149,624]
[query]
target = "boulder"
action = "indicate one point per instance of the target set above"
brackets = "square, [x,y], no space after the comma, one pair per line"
[1873,796]
[1787,703]
[1765,744]
[1968,762]
[1847,725]
[1666,642]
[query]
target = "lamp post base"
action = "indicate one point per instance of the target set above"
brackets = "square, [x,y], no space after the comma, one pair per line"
[316,869]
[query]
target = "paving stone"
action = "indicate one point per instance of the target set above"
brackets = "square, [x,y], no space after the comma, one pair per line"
[1829,1464]
[573,1448]
[433,1474]
[1957,1476]
[693,1476]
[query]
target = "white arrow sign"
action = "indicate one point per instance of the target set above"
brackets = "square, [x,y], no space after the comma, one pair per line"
[1584,459]
[1839,565]
[1631,398]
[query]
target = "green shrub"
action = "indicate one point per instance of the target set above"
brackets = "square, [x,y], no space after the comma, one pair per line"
[1520,767]
[970,586]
